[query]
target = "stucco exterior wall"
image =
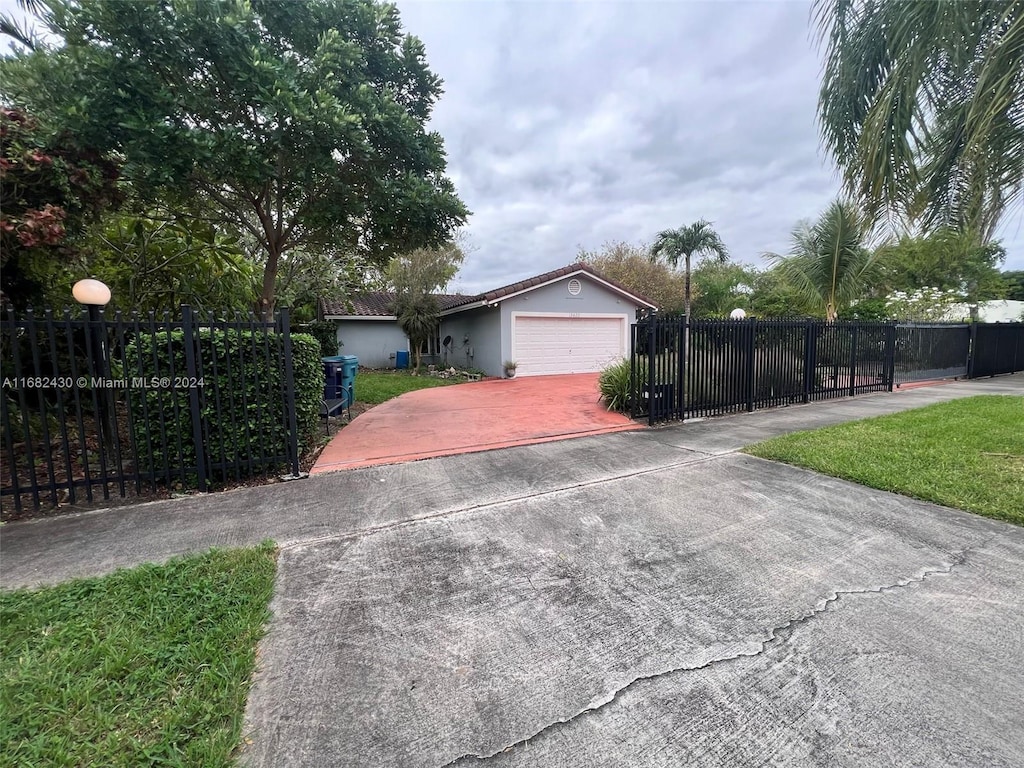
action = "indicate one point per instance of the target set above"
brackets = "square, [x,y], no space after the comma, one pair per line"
[476,331]
[593,299]
[374,342]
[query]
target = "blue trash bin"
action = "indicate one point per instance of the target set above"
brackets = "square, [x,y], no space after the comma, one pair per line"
[402,358]
[349,367]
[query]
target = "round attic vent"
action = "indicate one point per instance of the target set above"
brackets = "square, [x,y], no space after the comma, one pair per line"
[575,286]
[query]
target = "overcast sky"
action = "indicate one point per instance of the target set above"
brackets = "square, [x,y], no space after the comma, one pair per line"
[571,124]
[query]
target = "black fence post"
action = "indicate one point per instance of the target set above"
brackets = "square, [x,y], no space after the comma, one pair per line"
[853,361]
[651,366]
[751,348]
[289,392]
[810,342]
[889,370]
[188,329]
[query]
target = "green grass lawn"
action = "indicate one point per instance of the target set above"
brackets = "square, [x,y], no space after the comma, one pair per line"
[965,453]
[374,387]
[149,666]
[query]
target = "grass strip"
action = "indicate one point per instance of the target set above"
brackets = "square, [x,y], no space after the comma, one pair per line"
[147,666]
[375,387]
[966,453]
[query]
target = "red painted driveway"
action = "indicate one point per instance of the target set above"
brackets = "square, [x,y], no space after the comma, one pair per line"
[478,416]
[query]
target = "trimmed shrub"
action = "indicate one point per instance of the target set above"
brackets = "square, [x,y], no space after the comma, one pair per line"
[615,384]
[241,399]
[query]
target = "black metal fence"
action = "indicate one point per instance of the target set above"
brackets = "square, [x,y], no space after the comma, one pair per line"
[998,348]
[94,405]
[722,366]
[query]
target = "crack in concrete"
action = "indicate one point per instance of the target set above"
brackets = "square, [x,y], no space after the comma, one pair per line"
[773,636]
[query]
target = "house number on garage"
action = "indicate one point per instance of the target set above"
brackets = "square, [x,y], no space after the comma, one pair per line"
[574,314]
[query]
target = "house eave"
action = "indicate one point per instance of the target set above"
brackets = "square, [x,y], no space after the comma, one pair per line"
[570,275]
[360,317]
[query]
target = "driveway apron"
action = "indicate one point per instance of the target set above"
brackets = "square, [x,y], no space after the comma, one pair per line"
[477,416]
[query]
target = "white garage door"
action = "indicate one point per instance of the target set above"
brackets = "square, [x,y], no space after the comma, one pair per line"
[564,344]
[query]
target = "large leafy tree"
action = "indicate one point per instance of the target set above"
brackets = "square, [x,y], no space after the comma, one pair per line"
[831,262]
[946,260]
[631,266]
[721,287]
[697,239]
[922,105]
[302,125]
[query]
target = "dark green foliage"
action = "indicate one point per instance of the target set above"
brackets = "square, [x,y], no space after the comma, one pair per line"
[1014,281]
[302,124]
[248,423]
[149,666]
[325,333]
[615,384]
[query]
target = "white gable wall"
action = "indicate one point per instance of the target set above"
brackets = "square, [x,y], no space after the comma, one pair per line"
[582,322]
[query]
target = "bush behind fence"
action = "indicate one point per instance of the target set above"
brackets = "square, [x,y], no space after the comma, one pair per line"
[95,404]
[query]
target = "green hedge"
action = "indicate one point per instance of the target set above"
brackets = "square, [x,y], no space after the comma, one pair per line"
[324,332]
[241,398]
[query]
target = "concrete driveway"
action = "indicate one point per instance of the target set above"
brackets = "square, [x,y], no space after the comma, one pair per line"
[647,598]
[478,416]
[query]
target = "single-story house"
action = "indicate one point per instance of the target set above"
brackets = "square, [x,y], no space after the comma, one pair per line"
[569,320]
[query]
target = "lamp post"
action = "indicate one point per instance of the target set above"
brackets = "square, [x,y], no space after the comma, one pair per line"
[94,295]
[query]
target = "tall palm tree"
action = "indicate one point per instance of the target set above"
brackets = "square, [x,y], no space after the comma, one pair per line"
[698,238]
[922,106]
[831,262]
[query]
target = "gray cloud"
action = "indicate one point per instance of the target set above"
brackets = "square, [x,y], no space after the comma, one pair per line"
[568,124]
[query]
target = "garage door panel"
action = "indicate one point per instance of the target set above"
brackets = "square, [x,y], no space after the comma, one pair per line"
[564,344]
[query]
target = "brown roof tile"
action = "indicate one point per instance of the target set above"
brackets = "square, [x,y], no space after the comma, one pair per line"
[381,304]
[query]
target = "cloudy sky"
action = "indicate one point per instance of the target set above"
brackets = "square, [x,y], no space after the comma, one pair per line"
[570,124]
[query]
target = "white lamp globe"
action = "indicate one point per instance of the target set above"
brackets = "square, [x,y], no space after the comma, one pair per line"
[737,314]
[91,291]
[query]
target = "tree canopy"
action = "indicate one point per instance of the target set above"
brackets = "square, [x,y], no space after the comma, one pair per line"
[946,260]
[631,267]
[922,106]
[299,124]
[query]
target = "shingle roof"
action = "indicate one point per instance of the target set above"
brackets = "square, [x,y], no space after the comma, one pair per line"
[379,303]
[547,277]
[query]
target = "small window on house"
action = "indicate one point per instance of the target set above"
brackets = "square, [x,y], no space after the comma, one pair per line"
[575,286]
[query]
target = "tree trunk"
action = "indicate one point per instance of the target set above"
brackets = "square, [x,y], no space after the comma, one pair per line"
[265,304]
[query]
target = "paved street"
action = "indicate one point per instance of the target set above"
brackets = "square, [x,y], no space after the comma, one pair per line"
[640,598]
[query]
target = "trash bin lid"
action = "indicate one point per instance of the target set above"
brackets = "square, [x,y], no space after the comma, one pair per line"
[347,358]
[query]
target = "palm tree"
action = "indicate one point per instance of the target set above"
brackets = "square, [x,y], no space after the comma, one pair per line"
[697,238]
[922,105]
[418,316]
[830,262]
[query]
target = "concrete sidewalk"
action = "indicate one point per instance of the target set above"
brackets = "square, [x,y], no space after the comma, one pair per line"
[51,550]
